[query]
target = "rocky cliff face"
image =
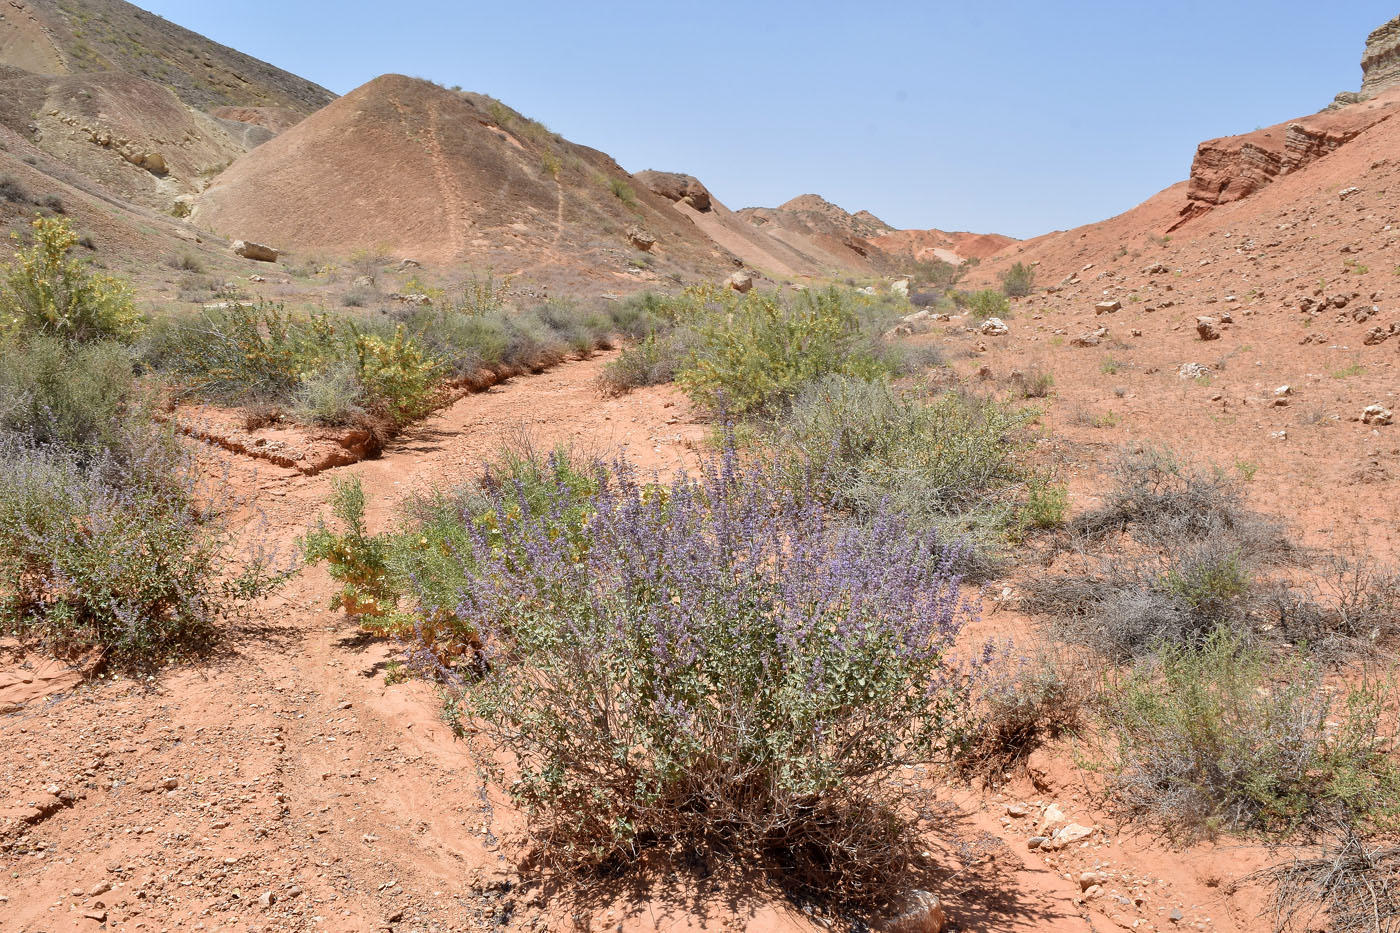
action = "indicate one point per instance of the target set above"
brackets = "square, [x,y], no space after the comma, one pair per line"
[1380,63]
[1235,167]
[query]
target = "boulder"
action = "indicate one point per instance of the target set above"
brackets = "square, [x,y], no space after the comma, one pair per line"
[741,282]
[640,239]
[255,251]
[1206,328]
[900,287]
[1068,835]
[1085,340]
[1192,371]
[675,186]
[1108,307]
[994,327]
[1378,415]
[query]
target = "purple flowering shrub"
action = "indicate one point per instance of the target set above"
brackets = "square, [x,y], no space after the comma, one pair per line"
[711,664]
[131,565]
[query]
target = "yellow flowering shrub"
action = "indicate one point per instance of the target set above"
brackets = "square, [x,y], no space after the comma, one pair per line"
[46,289]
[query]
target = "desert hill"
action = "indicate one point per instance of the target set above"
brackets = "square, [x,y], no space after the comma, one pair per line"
[808,236]
[59,37]
[778,249]
[132,136]
[447,176]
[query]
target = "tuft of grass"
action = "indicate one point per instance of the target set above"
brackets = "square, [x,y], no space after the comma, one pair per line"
[623,192]
[1024,699]
[1035,382]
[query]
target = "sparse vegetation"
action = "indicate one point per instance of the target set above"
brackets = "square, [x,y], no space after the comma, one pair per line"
[1035,382]
[1022,701]
[1172,554]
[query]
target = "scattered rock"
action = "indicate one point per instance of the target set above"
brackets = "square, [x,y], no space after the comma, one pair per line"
[916,912]
[408,264]
[1378,415]
[1156,268]
[413,298]
[1035,842]
[255,251]
[741,282]
[267,899]
[1108,307]
[1192,371]
[1085,340]
[1206,329]
[1067,835]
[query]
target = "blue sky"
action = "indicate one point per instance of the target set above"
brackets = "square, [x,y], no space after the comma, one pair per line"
[1013,117]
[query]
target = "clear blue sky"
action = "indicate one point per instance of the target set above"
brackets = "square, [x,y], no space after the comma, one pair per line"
[1013,117]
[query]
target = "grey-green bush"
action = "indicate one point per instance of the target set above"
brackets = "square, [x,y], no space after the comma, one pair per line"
[1220,738]
[948,461]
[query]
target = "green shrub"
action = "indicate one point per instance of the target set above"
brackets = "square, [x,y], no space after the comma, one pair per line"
[1218,738]
[623,192]
[45,289]
[654,360]
[356,559]
[333,396]
[1045,505]
[938,273]
[988,303]
[399,380]
[759,352]
[243,353]
[1018,281]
